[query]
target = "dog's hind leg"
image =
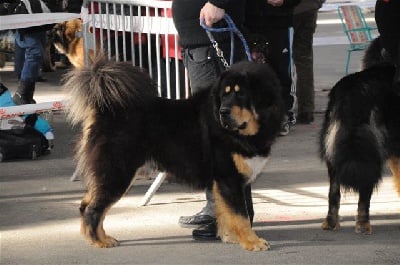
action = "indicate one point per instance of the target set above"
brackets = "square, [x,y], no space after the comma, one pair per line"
[394,164]
[101,195]
[92,217]
[363,225]
[331,221]
[233,223]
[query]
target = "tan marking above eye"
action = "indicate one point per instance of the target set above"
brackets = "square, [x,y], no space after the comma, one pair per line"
[237,88]
[227,89]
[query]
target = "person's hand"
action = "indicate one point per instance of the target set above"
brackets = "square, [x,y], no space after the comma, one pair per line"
[211,14]
[275,2]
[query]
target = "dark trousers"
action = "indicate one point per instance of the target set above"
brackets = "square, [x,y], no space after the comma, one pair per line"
[304,27]
[204,66]
[387,17]
[280,59]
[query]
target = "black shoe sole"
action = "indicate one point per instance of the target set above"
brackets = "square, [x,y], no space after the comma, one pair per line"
[196,221]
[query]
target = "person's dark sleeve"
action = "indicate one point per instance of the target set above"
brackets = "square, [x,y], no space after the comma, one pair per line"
[220,3]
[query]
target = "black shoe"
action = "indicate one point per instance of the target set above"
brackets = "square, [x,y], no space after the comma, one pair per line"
[24,93]
[285,126]
[305,117]
[195,220]
[18,99]
[206,232]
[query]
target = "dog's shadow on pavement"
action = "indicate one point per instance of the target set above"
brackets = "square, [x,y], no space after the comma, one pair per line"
[309,232]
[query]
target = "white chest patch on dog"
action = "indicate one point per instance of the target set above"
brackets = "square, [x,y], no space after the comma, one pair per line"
[256,164]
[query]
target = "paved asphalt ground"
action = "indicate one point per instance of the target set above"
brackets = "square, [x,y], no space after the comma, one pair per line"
[39,219]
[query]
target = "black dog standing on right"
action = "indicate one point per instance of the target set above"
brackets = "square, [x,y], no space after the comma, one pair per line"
[361,130]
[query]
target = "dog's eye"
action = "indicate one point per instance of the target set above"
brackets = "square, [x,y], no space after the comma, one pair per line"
[239,93]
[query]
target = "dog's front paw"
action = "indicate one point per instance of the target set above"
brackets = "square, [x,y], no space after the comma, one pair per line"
[330,224]
[256,244]
[108,242]
[363,227]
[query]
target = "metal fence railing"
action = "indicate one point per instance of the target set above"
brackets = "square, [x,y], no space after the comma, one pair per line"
[140,31]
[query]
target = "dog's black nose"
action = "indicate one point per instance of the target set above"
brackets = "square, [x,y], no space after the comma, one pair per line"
[224,111]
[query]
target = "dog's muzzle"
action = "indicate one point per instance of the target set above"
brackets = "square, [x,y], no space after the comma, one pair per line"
[228,122]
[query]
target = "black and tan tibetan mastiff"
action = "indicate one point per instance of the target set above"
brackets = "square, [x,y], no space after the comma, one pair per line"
[203,141]
[361,131]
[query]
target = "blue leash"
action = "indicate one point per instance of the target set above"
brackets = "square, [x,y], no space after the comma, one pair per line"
[232,29]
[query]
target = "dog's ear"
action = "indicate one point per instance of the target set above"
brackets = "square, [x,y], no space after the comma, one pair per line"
[77,24]
[71,27]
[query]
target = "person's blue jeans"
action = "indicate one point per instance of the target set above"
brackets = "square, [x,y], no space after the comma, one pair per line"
[30,51]
[19,59]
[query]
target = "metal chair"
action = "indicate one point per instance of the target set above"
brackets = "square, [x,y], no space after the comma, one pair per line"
[356,28]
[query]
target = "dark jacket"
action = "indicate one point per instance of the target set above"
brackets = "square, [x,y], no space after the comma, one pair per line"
[186,18]
[260,14]
[307,5]
[387,17]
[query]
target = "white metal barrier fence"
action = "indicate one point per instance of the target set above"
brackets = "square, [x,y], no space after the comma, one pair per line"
[24,21]
[140,31]
[143,32]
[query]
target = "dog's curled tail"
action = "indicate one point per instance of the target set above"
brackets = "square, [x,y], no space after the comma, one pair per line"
[107,88]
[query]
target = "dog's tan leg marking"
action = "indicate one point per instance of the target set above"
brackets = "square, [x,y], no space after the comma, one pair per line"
[394,164]
[242,115]
[97,238]
[331,219]
[84,203]
[234,228]
[104,241]
[363,227]
[241,165]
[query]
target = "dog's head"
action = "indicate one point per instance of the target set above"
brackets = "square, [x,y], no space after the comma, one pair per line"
[245,97]
[65,34]
[68,40]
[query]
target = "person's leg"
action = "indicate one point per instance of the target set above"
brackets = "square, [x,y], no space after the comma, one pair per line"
[204,217]
[280,58]
[202,67]
[33,60]
[203,70]
[304,28]
[19,58]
